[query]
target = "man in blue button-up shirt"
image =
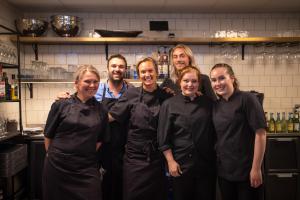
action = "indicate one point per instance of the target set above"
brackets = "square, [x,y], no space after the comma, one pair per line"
[112,149]
[115,86]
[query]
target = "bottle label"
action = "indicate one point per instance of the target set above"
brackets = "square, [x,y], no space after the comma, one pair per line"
[272,128]
[2,90]
[278,128]
[296,127]
[290,127]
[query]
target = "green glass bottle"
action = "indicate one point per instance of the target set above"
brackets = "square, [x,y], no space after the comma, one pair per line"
[290,123]
[267,121]
[278,124]
[283,123]
[296,122]
[271,124]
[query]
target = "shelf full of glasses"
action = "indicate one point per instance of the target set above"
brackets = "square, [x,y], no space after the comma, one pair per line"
[10,64]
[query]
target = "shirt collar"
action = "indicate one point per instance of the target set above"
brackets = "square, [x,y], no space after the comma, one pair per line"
[235,92]
[188,99]
[121,91]
[88,102]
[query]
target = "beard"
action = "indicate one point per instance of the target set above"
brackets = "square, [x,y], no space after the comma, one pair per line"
[115,81]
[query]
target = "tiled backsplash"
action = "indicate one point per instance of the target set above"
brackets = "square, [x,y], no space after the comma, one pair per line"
[277,78]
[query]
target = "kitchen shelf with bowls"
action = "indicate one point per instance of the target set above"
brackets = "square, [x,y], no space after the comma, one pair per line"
[151,41]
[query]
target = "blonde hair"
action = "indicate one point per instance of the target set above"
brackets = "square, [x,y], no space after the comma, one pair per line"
[81,70]
[187,50]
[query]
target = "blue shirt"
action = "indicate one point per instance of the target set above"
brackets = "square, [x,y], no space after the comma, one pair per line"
[108,94]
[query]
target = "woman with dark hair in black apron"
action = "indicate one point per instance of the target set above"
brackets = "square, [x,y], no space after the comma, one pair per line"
[144,174]
[73,133]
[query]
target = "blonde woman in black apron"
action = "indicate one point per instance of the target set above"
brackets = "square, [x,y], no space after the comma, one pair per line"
[73,133]
[143,171]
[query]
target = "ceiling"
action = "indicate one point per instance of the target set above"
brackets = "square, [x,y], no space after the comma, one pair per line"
[152,6]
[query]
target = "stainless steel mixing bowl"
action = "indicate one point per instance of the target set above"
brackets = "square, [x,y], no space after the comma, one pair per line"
[65,25]
[31,26]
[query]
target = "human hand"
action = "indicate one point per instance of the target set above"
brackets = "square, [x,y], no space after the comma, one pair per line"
[198,93]
[63,95]
[174,168]
[255,178]
[169,90]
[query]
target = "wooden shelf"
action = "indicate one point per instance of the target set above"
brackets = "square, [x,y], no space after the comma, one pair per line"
[46,81]
[145,40]
[7,101]
[9,66]
[71,81]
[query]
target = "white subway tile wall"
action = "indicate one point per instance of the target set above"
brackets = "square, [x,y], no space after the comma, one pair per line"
[272,71]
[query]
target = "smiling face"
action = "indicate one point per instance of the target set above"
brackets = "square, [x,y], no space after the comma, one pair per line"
[222,82]
[189,84]
[87,86]
[147,74]
[180,58]
[116,69]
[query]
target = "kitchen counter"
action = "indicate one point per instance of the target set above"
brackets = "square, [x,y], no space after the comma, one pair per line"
[283,134]
[9,135]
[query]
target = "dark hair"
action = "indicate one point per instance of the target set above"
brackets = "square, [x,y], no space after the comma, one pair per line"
[189,69]
[229,71]
[116,56]
[148,59]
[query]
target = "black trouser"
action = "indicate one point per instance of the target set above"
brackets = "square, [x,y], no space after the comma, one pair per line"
[112,183]
[239,190]
[194,187]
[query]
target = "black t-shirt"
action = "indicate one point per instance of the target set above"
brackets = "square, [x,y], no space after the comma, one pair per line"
[236,122]
[205,86]
[186,128]
[74,126]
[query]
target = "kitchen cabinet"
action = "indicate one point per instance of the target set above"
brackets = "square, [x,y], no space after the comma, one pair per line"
[10,61]
[282,167]
[36,164]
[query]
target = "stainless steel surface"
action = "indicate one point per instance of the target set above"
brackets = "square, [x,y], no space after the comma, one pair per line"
[65,25]
[31,26]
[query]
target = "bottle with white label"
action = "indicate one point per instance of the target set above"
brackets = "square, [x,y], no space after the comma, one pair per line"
[2,85]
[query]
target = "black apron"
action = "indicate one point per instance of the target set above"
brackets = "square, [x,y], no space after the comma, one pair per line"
[111,155]
[144,176]
[70,176]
